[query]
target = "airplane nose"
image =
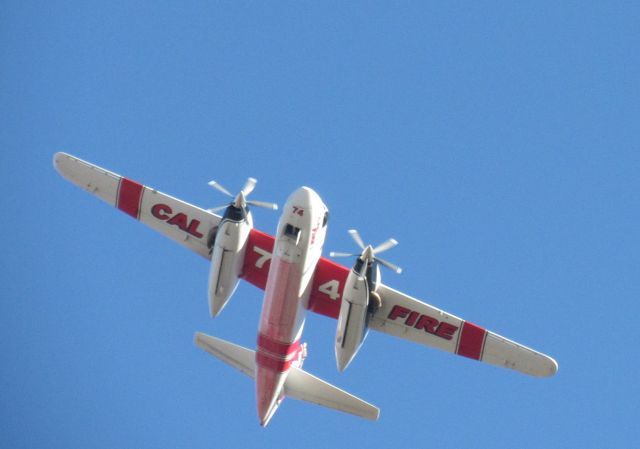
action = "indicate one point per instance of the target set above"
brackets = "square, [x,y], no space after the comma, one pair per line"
[304,197]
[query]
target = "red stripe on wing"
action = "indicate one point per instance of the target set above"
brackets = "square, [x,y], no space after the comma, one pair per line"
[327,271]
[129,196]
[471,341]
[257,259]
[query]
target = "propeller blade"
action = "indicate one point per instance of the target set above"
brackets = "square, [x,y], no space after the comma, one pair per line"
[217,209]
[385,246]
[219,188]
[369,253]
[340,254]
[249,186]
[264,204]
[389,265]
[356,237]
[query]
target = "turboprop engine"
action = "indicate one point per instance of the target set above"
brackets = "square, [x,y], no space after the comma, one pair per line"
[359,298]
[229,245]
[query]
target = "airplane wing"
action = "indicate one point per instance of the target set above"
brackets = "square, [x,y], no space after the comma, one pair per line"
[409,318]
[182,222]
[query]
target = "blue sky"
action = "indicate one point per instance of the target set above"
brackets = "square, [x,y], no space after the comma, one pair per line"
[497,142]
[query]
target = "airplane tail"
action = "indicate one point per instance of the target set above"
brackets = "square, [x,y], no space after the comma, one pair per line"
[299,384]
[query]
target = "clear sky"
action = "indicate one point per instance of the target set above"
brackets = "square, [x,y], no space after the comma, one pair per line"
[498,142]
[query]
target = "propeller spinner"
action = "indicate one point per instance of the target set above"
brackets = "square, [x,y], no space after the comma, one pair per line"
[369,253]
[240,200]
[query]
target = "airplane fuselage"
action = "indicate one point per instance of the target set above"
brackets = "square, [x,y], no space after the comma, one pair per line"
[298,247]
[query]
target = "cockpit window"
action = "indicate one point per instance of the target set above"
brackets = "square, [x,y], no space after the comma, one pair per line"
[292,231]
[325,220]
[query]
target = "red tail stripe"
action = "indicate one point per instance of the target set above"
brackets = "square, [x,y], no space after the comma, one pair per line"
[279,348]
[274,364]
[472,339]
[129,196]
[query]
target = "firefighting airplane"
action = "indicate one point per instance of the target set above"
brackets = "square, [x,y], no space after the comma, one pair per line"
[290,269]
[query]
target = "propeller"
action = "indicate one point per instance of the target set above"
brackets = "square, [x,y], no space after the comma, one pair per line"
[240,200]
[369,253]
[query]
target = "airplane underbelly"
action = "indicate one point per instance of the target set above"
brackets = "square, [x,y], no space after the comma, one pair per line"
[281,323]
[283,310]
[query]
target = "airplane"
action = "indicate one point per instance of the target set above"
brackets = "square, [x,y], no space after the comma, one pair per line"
[296,278]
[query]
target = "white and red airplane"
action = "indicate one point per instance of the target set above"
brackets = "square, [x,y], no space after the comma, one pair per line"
[290,268]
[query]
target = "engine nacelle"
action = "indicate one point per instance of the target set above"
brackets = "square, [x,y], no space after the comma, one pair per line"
[353,319]
[227,259]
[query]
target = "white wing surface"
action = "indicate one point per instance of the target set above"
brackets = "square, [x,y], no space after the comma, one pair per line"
[185,223]
[412,319]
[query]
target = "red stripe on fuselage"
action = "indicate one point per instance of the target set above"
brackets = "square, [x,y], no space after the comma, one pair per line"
[471,342]
[278,348]
[129,196]
[266,360]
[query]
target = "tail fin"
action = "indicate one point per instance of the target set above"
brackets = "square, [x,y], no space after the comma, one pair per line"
[299,384]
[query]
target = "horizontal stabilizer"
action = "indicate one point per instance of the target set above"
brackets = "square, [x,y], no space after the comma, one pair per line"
[240,358]
[307,387]
[298,385]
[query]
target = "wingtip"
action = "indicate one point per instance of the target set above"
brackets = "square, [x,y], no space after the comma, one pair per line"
[57,157]
[553,366]
[198,338]
[548,368]
[373,415]
[59,160]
